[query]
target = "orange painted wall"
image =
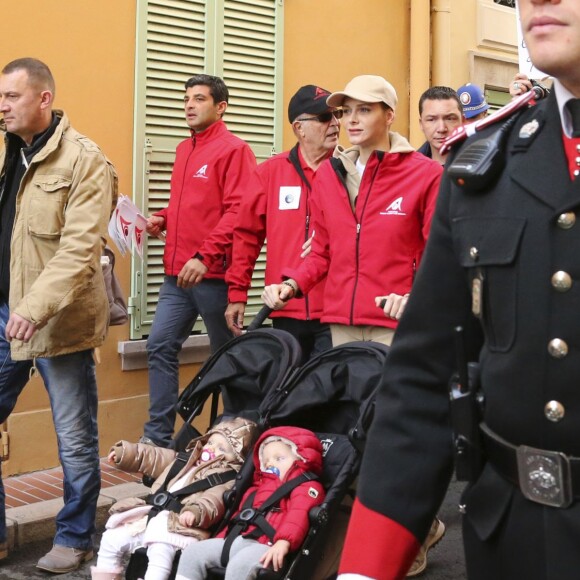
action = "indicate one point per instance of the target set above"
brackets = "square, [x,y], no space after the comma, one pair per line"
[328,42]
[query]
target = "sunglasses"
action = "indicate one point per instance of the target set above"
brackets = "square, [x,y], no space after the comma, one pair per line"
[324,117]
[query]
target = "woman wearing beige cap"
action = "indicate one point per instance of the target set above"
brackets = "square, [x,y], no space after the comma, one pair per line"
[372,208]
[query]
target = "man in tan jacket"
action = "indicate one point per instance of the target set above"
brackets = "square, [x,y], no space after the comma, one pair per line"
[57,191]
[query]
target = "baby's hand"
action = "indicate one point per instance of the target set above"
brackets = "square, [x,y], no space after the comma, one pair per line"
[111,457]
[186,519]
[275,555]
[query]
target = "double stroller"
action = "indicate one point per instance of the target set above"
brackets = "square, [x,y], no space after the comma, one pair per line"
[256,376]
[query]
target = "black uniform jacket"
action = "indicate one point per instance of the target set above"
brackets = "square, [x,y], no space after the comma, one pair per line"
[514,237]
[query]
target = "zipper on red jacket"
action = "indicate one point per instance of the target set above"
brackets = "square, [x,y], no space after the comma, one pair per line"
[356,274]
[306,302]
[358,229]
[194,141]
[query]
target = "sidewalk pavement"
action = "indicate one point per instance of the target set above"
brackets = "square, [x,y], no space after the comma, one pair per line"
[34,499]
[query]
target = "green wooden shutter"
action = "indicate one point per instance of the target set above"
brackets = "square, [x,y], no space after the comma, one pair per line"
[236,39]
[251,59]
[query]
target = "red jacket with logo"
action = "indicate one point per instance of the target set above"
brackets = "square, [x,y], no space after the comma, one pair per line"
[209,170]
[291,519]
[277,207]
[376,249]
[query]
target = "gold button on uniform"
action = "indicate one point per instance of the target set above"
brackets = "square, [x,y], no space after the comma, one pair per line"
[566,220]
[562,281]
[474,253]
[554,411]
[557,348]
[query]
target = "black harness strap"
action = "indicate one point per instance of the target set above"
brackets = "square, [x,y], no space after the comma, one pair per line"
[250,516]
[165,500]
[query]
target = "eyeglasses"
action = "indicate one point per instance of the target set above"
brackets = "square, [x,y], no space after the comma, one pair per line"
[324,117]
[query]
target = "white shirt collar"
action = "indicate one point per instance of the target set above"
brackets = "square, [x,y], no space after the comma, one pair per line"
[563,95]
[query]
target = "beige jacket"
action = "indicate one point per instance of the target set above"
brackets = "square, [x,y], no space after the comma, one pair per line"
[208,505]
[349,158]
[62,210]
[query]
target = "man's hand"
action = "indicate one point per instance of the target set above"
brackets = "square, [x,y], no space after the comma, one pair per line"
[393,305]
[275,555]
[520,85]
[19,328]
[191,274]
[277,295]
[155,225]
[235,317]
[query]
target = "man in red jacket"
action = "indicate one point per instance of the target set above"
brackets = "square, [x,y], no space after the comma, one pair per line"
[277,207]
[209,169]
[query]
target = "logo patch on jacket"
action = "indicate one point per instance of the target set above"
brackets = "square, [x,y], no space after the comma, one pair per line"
[201,172]
[326,445]
[312,492]
[396,208]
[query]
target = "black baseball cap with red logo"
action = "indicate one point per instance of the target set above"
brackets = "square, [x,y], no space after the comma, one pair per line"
[308,99]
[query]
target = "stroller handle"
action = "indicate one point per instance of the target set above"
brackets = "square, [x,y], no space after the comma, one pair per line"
[263,313]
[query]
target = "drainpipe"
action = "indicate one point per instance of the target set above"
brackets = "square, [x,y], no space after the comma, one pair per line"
[441,42]
[420,64]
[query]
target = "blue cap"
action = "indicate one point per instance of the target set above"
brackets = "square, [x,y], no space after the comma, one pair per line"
[472,99]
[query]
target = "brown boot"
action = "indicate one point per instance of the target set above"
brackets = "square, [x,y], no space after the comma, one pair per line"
[62,559]
[436,532]
[100,574]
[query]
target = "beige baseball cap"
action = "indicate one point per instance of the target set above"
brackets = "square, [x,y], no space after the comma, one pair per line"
[366,88]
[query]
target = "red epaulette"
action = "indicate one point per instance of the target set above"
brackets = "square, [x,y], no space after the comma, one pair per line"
[465,131]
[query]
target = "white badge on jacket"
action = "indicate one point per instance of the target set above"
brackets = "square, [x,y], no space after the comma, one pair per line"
[289,197]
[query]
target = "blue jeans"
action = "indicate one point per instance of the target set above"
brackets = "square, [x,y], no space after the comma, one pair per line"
[176,313]
[72,389]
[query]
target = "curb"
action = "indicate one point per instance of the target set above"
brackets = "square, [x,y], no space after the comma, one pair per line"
[36,521]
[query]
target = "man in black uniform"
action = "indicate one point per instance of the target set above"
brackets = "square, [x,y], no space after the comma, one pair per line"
[504,251]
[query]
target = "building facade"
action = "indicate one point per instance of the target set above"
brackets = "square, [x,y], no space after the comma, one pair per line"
[120,68]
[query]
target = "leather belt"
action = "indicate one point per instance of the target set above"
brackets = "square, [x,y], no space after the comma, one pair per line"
[547,477]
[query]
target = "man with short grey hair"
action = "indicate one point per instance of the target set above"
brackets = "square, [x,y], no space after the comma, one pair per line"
[57,191]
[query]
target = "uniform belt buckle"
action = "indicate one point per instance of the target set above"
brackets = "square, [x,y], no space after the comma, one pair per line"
[544,476]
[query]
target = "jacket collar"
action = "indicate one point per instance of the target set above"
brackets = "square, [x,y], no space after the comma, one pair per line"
[51,143]
[212,132]
[349,156]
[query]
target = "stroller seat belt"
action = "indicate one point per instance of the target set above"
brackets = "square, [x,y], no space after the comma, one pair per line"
[250,516]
